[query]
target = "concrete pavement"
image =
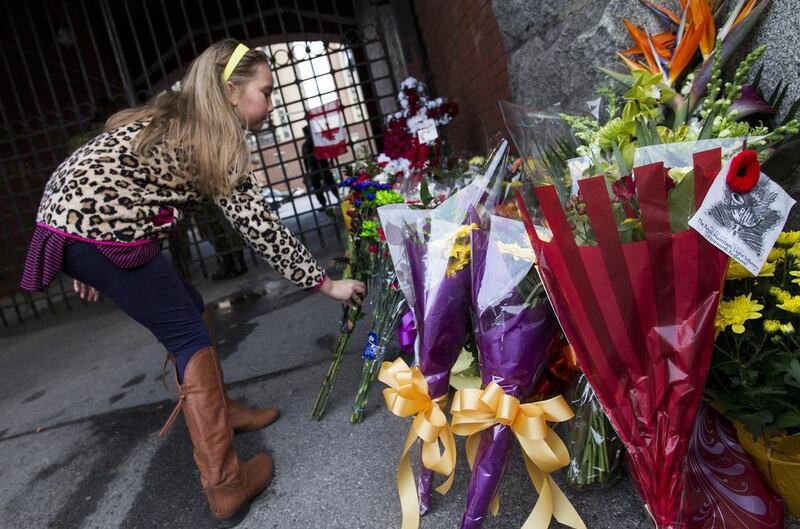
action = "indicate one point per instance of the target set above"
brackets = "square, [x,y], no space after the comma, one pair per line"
[82,399]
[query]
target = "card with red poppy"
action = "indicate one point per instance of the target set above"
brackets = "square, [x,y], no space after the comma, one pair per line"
[743,212]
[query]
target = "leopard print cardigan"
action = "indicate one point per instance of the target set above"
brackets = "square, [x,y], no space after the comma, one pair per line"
[105,192]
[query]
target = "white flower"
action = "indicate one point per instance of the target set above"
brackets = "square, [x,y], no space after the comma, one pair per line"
[410,82]
[394,167]
[417,121]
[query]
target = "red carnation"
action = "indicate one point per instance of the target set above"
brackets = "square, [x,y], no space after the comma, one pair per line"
[373,248]
[624,188]
[744,172]
[381,234]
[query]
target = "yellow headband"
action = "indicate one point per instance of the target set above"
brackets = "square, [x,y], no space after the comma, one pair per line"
[233,62]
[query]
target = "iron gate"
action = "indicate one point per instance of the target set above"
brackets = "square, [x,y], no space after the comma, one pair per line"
[69,64]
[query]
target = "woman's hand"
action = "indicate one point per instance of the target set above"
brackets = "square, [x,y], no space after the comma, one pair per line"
[347,290]
[84,291]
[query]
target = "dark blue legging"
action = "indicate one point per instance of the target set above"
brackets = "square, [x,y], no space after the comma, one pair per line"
[153,295]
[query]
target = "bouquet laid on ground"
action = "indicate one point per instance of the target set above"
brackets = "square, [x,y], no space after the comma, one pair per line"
[431,255]
[638,245]
[638,307]
[363,256]
[755,376]
[514,328]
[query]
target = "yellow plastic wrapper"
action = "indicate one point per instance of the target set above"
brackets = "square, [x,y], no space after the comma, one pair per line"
[777,459]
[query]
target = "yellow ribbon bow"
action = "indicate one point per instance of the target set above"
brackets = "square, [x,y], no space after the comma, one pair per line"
[407,395]
[475,410]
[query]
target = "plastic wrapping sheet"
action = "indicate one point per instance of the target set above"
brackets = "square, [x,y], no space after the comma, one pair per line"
[514,330]
[597,454]
[430,251]
[640,317]
[724,489]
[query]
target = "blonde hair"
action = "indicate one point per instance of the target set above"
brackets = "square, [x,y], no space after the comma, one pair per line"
[199,119]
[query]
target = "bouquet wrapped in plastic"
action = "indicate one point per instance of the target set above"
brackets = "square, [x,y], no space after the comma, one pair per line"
[596,450]
[515,328]
[431,254]
[638,312]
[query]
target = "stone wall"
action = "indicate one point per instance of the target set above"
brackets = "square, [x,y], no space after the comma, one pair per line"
[553,46]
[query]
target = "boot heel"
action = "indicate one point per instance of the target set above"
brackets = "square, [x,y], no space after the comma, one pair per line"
[235,518]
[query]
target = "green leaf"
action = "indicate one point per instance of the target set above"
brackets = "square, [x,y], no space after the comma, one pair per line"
[621,165]
[756,421]
[620,77]
[757,78]
[425,193]
[783,165]
[794,369]
[681,203]
[778,93]
[788,420]
[643,134]
[792,112]
[708,127]
[680,115]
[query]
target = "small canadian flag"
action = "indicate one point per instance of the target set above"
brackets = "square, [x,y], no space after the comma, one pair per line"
[327,130]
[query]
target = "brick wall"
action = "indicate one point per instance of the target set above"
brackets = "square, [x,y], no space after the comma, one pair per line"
[467,63]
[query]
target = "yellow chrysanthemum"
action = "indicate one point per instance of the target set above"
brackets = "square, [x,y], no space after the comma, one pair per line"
[792,304]
[776,254]
[787,328]
[459,259]
[737,271]
[795,273]
[464,231]
[772,325]
[794,251]
[734,313]
[779,294]
[789,238]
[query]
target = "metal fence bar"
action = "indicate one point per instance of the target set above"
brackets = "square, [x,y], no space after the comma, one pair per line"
[132,56]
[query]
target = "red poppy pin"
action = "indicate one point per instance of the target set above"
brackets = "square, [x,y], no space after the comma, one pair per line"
[744,172]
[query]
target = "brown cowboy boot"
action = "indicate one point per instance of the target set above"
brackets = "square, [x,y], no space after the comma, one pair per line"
[229,485]
[242,418]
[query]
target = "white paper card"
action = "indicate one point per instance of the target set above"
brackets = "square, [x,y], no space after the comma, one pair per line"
[744,226]
[427,132]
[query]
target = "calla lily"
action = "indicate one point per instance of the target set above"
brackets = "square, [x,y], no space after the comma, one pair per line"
[749,103]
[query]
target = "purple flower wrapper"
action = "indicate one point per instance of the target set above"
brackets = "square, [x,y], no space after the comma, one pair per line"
[513,340]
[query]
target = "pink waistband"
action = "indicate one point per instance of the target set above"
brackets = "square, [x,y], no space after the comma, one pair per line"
[93,241]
